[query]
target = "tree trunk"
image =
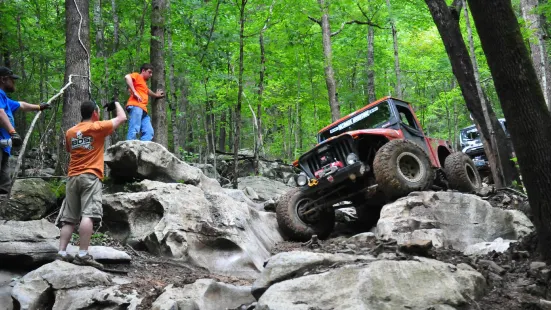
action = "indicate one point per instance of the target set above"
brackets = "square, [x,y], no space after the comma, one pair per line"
[173,98]
[222,135]
[497,172]
[535,23]
[462,67]
[77,59]
[397,72]
[237,119]
[371,64]
[523,103]
[328,62]
[157,106]
[100,52]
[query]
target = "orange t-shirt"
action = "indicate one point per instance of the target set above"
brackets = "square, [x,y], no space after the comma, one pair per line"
[141,88]
[85,142]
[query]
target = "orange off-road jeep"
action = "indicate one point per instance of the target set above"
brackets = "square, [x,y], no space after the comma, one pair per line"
[364,160]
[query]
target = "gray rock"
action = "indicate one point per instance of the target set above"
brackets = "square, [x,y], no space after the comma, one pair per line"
[27,243]
[6,279]
[367,237]
[265,188]
[204,294]
[207,169]
[103,254]
[148,160]
[449,219]
[64,286]
[202,226]
[537,265]
[379,285]
[288,265]
[31,199]
[240,195]
[499,245]
[249,191]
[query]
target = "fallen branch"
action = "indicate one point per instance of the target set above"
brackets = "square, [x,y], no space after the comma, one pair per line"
[28,135]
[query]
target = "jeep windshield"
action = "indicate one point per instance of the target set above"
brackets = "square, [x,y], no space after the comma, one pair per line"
[374,117]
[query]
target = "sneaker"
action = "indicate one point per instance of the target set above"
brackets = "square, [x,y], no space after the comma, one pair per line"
[67,258]
[87,260]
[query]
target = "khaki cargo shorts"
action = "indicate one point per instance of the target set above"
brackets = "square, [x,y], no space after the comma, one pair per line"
[82,199]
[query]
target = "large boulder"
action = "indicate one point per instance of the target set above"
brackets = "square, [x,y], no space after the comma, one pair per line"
[449,219]
[31,199]
[6,280]
[133,159]
[204,294]
[60,285]
[380,285]
[288,265]
[27,243]
[265,188]
[201,225]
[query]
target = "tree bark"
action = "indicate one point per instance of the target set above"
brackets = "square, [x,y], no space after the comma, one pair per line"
[222,134]
[397,71]
[100,52]
[237,119]
[462,67]
[535,23]
[77,59]
[157,106]
[328,61]
[523,103]
[173,102]
[371,64]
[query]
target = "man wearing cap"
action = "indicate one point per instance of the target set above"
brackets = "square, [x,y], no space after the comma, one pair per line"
[7,124]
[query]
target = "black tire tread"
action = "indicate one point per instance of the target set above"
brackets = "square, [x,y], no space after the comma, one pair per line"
[294,228]
[454,167]
[387,175]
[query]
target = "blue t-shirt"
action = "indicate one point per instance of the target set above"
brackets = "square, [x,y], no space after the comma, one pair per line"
[9,107]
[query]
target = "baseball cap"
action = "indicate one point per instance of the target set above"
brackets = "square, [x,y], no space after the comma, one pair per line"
[7,72]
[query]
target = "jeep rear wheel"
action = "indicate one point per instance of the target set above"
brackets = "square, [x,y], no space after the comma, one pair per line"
[299,221]
[461,173]
[401,167]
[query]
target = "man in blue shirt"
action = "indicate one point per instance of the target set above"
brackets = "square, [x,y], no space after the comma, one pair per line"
[7,123]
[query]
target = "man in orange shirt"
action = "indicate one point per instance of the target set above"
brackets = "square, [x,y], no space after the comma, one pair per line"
[85,142]
[140,122]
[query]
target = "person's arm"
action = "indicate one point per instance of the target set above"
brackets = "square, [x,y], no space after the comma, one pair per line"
[5,121]
[158,94]
[26,107]
[120,118]
[67,144]
[130,83]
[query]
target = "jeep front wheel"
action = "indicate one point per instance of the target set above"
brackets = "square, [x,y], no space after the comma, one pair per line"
[299,220]
[461,173]
[401,167]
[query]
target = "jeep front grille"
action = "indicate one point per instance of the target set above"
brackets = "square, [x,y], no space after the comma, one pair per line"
[337,149]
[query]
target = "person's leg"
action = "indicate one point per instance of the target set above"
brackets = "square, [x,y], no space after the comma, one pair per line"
[147,128]
[70,213]
[134,123]
[5,177]
[91,211]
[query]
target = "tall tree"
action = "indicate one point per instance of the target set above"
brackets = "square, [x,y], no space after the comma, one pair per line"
[237,119]
[77,69]
[462,66]
[173,99]
[540,58]
[328,59]
[397,70]
[523,103]
[158,108]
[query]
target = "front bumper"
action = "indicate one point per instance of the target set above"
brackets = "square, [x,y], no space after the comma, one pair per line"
[345,174]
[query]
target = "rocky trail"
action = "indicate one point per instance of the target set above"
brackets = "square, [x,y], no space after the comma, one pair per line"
[176,239]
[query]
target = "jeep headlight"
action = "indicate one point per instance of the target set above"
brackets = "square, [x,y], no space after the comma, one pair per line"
[301,179]
[351,158]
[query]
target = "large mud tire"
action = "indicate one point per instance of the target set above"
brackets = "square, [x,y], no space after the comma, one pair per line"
[461,173]
[401,167]
[293,226]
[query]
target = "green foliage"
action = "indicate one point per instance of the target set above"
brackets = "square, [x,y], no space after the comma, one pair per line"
[96,239]
[294,104]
